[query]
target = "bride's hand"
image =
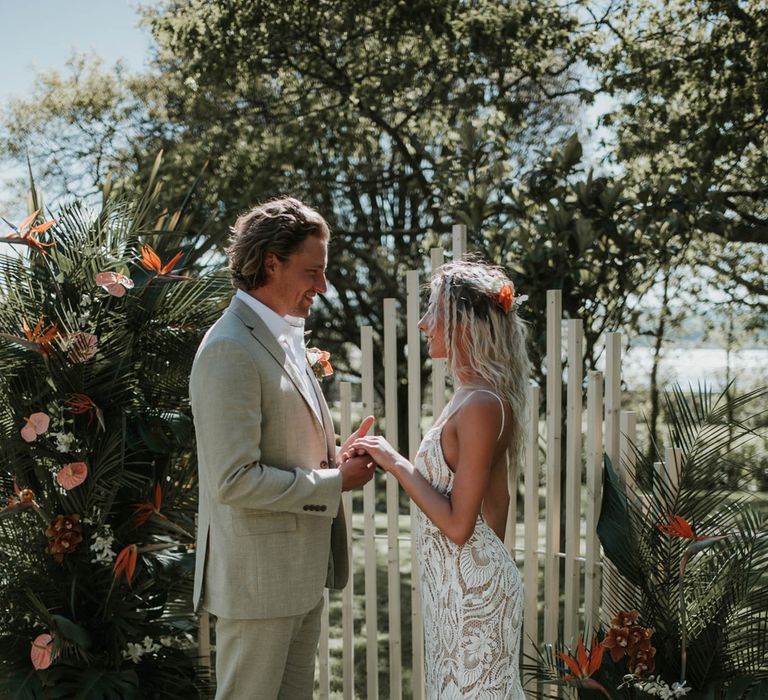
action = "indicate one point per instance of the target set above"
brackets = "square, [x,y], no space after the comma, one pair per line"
[381,452]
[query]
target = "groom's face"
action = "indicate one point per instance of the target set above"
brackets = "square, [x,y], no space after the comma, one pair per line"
[296,280]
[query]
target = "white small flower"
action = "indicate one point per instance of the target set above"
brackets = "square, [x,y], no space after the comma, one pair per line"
[166,641]
[85,300]
[133,652]
[102,546]
[64,441]
[149,645]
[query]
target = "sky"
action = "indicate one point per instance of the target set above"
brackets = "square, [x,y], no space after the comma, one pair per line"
[43,34]
[39,35]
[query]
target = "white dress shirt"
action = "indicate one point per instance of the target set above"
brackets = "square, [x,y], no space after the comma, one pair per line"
[289,333]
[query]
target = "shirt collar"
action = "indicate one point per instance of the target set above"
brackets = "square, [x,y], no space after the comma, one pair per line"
[288,327]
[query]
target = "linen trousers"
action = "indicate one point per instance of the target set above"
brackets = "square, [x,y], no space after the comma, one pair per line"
[270,659]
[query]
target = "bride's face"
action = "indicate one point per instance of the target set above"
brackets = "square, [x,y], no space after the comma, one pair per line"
[432,325]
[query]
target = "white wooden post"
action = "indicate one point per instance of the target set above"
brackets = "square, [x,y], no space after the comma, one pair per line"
[414,439]
[323,651]
[531,520]
[628,456]
[673,458]
[347,614]
[554,429]
[573,482]
[613,399]
[459,233]
[204,640]
[369,530]
[594,492]
[393,502]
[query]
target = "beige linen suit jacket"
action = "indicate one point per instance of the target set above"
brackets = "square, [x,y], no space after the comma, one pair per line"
[270,531]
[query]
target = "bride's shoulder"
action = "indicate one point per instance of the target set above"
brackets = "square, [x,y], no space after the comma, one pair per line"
[481,407]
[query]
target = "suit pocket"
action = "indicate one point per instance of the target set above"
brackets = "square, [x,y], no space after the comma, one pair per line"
[258,522]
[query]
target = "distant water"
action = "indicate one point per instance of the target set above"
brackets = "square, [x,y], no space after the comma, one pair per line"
[695,365]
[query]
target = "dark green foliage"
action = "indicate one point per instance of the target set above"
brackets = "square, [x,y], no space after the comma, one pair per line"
[137,436]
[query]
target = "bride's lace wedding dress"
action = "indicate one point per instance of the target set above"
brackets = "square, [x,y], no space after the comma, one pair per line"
[472,598]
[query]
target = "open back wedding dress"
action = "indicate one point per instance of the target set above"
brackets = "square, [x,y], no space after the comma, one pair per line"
[472,597]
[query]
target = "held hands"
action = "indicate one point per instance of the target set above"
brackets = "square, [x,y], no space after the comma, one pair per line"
[356,470]
[377,449]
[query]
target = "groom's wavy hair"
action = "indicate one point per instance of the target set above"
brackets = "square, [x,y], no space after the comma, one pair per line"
[488,334]
[278,226]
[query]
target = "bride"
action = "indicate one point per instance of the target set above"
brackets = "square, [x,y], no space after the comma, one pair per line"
[471,589]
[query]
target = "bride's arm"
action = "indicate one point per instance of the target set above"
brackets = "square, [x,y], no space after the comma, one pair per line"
[477,428]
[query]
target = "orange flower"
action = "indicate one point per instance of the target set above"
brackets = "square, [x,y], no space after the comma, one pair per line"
[41,336]
[584,665]
[41,652]
[125,562]
[23,498]
[319,362]
[679,527]
[144,511]
[150,260]
[625,618]
[26,235]
[81,403]
[36,425]
[72,475]
[506,297]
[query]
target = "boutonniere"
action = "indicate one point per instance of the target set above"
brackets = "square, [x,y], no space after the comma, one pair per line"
[319,362]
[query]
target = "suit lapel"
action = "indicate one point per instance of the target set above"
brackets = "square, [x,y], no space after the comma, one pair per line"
[330,435]
[267,340]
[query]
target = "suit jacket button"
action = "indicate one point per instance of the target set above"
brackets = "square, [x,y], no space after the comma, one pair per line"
[323,465]
[306,507]
[322,507]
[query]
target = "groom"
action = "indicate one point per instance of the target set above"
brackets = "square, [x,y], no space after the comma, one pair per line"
[271,532]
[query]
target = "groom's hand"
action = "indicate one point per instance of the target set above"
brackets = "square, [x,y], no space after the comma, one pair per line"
[356,472]
[362,431]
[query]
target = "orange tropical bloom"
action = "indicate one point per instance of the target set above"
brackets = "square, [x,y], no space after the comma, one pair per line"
[506,298]
[40,335]
[144,511]
[23,498]
[125,562]
[81,403]
[150,260]
[679,527]
[584,665]
[25,233]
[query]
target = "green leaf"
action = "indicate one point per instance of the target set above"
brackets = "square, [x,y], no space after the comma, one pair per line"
[613,527]
[72,631]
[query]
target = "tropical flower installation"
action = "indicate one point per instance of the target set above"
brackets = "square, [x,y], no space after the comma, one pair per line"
[98,473]
[690,552]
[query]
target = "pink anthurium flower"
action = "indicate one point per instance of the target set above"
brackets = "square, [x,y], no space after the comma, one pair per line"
[42,651]
[114,283]
[36,425]
[72,475]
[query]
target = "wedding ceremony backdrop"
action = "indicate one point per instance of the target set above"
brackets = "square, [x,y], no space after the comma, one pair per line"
[609,155]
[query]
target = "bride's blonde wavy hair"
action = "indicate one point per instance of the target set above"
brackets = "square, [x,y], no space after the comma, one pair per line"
[493,338]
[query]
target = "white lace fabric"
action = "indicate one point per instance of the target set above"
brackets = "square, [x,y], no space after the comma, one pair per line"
[472,600]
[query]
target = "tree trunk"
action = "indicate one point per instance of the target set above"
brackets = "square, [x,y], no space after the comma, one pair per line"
[654,385]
